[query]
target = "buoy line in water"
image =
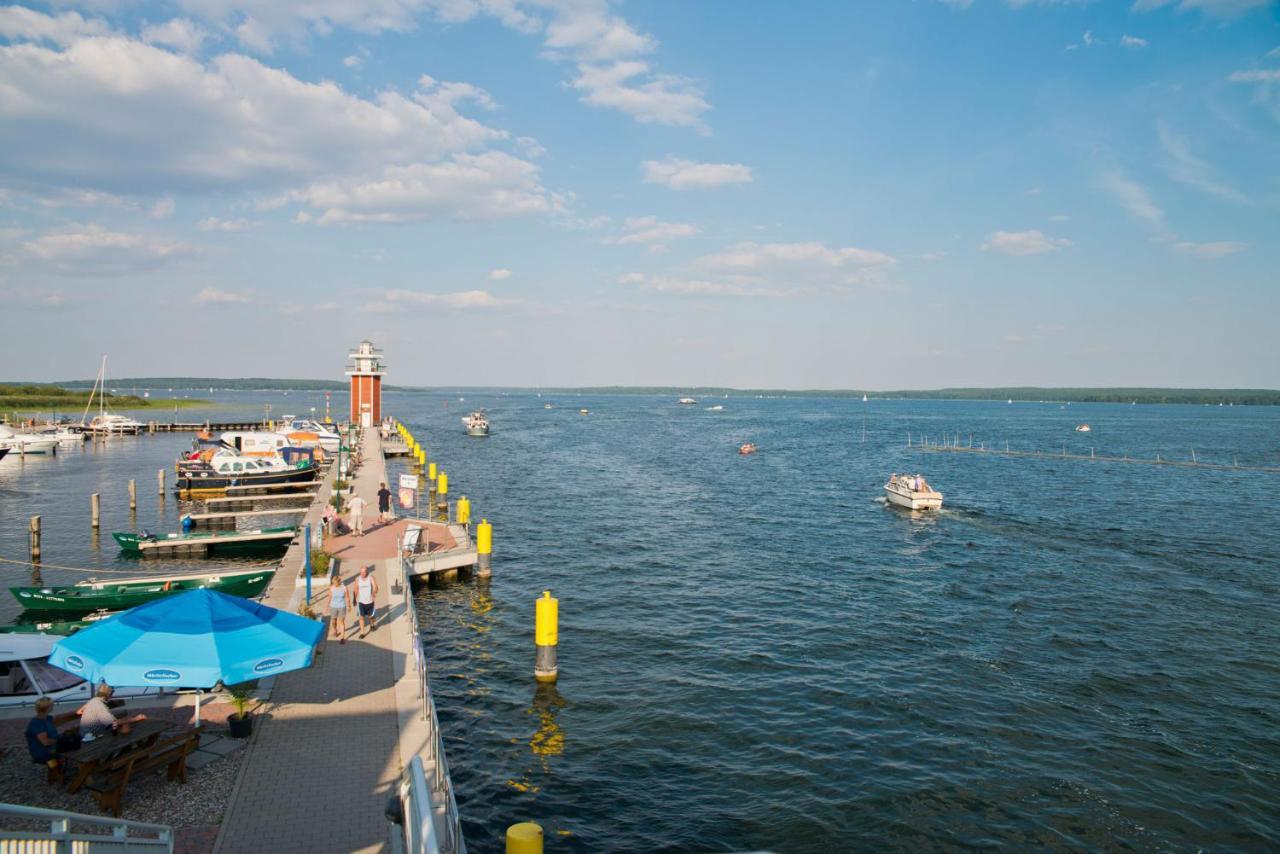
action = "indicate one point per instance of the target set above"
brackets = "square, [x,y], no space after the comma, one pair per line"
[43,565]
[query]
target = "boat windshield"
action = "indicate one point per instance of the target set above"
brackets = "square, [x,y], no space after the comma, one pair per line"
[14,681]
[49,677]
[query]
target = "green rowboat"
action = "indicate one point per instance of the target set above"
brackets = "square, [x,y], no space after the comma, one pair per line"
[117,595]
[54,627]
[203,542]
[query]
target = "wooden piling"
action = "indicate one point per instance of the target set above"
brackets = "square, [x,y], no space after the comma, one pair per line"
[95,505]
[35,538]
[160,482]
[133,495]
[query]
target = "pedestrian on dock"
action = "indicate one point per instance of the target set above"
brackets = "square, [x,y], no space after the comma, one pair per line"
[366,595]
[384,504]
[356,506]
[339,599]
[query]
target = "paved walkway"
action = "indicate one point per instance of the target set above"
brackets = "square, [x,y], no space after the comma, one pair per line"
[324,756]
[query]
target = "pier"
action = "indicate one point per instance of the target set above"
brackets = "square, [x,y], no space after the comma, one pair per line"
[201,546]
[261,502]
[230,519]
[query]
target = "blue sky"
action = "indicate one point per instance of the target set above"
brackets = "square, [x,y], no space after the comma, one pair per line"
[562,192]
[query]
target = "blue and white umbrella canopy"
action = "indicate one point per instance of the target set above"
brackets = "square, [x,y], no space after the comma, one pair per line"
[191,640]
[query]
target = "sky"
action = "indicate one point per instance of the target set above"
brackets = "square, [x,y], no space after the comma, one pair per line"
[580,192]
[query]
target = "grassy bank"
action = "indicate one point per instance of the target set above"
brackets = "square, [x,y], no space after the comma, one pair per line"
[32,398]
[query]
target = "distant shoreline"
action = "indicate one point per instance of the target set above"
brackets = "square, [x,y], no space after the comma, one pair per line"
[1022,394]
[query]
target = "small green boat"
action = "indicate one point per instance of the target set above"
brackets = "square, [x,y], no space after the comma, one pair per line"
[202,542]
[117,595]
[54,627]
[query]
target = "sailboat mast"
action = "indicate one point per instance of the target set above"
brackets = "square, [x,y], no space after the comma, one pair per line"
[101,373]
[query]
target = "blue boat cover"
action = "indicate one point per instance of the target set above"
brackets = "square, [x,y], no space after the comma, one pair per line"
[191,640]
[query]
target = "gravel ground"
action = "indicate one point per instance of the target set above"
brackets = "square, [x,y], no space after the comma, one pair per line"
[194,810]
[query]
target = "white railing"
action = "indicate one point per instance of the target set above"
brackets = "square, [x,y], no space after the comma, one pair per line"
[60,836]
[431,819]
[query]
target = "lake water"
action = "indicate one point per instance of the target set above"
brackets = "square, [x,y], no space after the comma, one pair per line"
[756,653]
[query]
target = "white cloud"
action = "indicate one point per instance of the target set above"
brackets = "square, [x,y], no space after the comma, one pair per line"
[1270,75]
[759,256]
[493,185]
[1213,8]
[163,208]
[1188,169]
[352,61]
[651,99]
[680,286]
[1209,251]
[394,300]
[85,118]
[93,250]
[1133,41]
[680,174]
[178,33]
[212,223]
[650,230]
[18,23]
[499,274]
[1133,197]
[1031,242]
[214,296]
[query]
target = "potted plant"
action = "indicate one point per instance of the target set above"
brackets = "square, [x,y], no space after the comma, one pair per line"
[240,723]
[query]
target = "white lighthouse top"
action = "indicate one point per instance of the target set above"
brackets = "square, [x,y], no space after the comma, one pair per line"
[366,361]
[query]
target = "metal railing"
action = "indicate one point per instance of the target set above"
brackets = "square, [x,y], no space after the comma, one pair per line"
[431,817]
[60,836]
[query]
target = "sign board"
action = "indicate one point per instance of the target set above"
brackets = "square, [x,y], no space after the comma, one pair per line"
[408,481]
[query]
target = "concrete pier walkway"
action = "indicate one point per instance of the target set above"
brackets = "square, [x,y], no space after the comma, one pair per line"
[325,754]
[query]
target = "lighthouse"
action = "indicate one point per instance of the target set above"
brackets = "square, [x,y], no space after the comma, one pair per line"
[366,371]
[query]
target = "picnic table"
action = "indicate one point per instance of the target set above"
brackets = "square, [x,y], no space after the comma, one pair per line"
[93,754]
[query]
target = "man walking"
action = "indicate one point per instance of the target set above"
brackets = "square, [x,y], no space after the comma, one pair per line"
[356,506]
[384,504]
[366,593]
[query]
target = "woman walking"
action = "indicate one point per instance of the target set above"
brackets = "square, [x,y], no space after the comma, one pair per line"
[339,599]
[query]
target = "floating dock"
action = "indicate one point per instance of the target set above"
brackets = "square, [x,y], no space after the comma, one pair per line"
[201,545]
[259,502]
[229,520]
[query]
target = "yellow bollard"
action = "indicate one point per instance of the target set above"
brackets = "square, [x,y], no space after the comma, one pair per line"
[422,457]
[464,511]
[524,838]
[431,473]
[484,546]
[546,636]
[442,485]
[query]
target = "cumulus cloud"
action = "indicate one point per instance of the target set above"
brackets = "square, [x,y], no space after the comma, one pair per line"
[83,116]
[1031,242]
[499,274]
[680,174]
[1212,8]
[180,34]
[1133,41]
[396,300]
[214,296]
[631,87]
[93,250]
[352,61]
[651,231]
[760,256]
[213,223]
[691,287]
[1209,251]
[19,23]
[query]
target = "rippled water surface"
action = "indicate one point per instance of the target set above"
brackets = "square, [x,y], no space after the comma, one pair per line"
[756,653]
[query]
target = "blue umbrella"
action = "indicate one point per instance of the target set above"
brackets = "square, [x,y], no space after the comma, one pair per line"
[194,640]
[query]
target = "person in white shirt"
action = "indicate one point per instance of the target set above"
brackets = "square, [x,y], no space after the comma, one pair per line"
[96,718]
[366,592]
[356,506]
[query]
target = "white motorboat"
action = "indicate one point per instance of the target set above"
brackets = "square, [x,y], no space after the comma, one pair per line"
[912,493]
[477,424]
[21,444]
[309,433]
[107,423]
[687,401]
[716,408]
[1083,428]
[65,435]
[26,674]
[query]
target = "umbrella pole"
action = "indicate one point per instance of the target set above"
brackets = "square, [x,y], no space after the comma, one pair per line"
[198,693]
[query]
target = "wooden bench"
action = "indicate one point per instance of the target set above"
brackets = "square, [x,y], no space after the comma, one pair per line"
[110,780]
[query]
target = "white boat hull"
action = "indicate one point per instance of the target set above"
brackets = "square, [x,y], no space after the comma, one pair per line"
[908,500]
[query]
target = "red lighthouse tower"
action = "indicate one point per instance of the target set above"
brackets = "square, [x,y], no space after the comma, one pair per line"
[366,372]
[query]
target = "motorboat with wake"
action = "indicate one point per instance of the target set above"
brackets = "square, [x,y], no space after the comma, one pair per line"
[747,448]
[1083,428]
[912,493]
[477,424]
[687,401]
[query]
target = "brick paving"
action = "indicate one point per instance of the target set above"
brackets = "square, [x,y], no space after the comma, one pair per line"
[324,756]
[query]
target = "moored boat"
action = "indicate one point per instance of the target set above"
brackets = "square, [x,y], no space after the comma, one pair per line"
[27,443]
[912,493]
[54,627]
[26,675]
[477,424]
[202,542]
[117,594]
[687,401]
[214,472]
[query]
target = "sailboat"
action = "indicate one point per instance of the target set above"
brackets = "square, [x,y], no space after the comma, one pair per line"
[864,398]
[105,422]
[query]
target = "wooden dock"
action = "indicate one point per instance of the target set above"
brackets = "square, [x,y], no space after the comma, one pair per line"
[309,486]
[395,448]
[260,502]
[228,520]
[201,546]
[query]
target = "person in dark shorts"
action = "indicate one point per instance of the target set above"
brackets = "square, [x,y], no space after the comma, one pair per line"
[384,504]
[366,591]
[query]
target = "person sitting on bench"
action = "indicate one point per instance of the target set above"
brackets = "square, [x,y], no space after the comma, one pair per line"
[42,735]
[96,718]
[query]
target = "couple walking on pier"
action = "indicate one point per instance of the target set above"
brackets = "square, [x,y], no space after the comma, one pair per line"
[365,594]
[356,508]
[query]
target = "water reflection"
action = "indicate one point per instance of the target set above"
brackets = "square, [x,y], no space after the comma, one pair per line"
[547,741]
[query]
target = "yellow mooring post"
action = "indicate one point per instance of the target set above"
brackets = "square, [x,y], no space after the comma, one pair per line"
[545,635]
[484,548]
[431,474]
[464,511]
[442,495]
[524,838]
